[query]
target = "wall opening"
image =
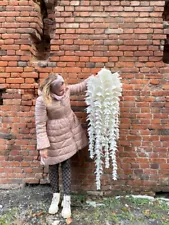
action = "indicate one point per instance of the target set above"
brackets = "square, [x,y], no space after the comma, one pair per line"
[2,90]
[162,194]
[166,26]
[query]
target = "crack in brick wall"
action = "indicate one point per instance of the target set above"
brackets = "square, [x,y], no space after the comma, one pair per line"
[166,27]
[42,35]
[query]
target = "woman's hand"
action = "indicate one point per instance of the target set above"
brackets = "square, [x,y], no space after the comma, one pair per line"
[44,153]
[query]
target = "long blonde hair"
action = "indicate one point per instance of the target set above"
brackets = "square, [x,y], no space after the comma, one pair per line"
[45,87]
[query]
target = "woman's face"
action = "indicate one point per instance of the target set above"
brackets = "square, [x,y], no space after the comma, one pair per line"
[60,90]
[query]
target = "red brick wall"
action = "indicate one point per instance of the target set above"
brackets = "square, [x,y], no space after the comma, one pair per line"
[86,35]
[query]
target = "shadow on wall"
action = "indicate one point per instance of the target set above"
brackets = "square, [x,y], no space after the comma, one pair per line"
[80,170]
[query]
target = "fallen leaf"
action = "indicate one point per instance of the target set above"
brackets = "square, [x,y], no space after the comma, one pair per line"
[147,212]
[124,209]
[40,213]
[37,214]
[68,220]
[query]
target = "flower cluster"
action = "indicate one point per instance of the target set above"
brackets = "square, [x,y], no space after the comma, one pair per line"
[102,99]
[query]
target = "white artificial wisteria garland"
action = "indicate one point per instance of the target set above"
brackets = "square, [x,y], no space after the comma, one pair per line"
[102,99]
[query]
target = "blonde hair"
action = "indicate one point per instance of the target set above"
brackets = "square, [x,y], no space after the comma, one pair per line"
[46,85]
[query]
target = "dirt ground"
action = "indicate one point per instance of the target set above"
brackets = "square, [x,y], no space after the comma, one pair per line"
[29,206]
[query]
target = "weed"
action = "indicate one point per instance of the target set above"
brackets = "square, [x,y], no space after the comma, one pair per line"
[125,215]
[8,217]
[112,203]
[80,197]
[165,223]
[138,201]
[160,204]
[154,216]
[115,219]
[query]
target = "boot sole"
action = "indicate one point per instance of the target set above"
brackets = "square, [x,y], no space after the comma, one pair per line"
[52,213]
[66,216]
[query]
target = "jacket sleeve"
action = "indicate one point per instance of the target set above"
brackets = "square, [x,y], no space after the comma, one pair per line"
[78,88]
[40,123]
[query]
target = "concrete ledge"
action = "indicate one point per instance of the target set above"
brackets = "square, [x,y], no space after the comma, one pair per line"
[11,186]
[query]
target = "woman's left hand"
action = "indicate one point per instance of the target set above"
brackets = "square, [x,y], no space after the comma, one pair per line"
[44,153]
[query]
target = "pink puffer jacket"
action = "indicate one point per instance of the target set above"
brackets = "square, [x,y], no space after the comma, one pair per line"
[58,128]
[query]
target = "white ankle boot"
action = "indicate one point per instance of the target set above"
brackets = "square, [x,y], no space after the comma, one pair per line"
[54,204]
[66,211]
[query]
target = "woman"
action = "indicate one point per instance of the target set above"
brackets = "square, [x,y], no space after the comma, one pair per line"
[59,135]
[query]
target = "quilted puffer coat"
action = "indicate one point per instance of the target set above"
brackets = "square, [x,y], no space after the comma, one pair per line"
[58,128]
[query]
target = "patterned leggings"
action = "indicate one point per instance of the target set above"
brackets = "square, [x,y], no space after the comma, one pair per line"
[66,177]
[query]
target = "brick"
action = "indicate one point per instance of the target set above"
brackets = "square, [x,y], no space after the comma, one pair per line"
[11,52]
[9,58]
[4,75]
[129,14]
[10,36]
[27,86]
[3,86]
[14,69]
[15,80]
[157,3]
[99,59]
[128,9]
[8,41]
[3,63]
[3,52]
[9,25]
[72,58]
[2,80]
[22,64]
[144,9]
[29,74]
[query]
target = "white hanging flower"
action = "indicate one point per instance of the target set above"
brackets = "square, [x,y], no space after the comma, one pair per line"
[102,99]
